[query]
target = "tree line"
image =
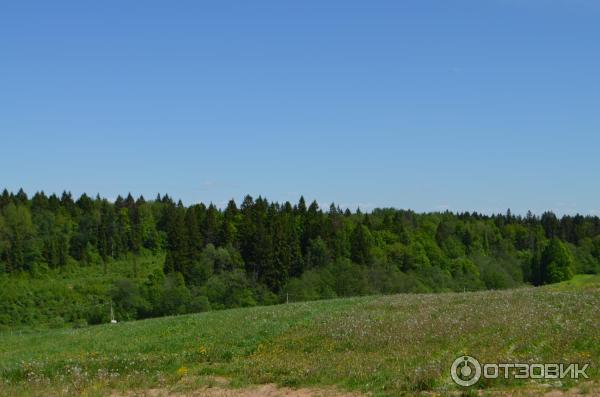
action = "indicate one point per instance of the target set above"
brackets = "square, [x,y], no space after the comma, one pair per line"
[260,251]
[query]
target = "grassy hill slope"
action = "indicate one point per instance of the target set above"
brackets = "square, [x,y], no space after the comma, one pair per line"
[384,345]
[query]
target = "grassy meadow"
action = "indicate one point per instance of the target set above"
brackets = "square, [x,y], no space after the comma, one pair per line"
[376,345]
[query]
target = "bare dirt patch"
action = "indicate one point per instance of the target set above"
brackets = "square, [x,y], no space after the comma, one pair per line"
[588,389]
[268,390]
[219,388]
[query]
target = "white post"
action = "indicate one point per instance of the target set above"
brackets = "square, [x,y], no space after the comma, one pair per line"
[112,315]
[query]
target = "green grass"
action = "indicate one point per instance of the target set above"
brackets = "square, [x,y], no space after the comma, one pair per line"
[578,282]
[384,345]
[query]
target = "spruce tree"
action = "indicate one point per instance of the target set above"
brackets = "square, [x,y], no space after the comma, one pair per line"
[360,245]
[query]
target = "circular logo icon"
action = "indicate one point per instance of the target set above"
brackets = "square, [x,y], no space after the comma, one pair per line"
[465,371]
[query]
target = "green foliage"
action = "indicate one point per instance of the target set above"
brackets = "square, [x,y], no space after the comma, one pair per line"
[556,262]
[312,285]
[360,245]
[230,289]
[261,253]
[20,249]
[175,296]
[494,273]
[129,301]
[415,257]
[585,257]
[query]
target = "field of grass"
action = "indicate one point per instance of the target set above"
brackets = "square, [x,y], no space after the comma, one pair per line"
[578,283]
[382,346]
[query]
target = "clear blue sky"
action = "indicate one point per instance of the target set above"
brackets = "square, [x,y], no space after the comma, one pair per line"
[466,105]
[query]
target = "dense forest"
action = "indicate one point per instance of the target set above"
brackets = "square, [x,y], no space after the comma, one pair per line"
[182,259]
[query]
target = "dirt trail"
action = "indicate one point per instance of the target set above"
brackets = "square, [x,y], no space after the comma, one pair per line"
[268,390]
[272,390]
